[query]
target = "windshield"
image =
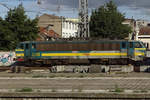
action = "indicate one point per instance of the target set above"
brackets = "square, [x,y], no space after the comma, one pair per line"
[20,46]
[142,45]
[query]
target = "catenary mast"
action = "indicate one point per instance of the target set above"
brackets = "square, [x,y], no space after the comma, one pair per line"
[83,30]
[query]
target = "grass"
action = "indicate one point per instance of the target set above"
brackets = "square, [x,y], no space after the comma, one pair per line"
[25,90]
[52,76]
[136,91]
[73,90]
[38,90]
[81,76]
[80,89]
[68,76]
[117,89]
[140,91]
[53,90]
[144,91]
[38,76]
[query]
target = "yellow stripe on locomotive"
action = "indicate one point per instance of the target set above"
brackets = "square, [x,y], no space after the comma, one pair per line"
[84,54]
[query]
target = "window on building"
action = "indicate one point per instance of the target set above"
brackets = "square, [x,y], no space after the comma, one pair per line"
[70,25]
[66,25]
[75,27]
[63,34]
[63,25]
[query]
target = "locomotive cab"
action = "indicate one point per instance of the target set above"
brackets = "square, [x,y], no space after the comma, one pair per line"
[137,50]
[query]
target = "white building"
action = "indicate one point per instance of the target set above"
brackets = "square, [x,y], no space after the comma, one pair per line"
[144,36]
[69,28]
[136,25]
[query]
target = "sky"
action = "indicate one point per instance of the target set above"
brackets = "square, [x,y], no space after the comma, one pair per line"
[137,9]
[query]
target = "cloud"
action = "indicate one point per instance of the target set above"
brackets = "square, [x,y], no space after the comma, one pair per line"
[96,3]
[142,6]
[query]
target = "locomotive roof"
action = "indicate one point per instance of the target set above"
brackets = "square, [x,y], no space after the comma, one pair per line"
[78,41]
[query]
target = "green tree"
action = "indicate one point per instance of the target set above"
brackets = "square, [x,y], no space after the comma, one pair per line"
[18,27]
[1,33]
[106,22]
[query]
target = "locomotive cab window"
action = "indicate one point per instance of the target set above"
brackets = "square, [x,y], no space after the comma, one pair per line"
[33,46]
[20,46]
[131,45]
[138,45]
[124,45]
[27,46]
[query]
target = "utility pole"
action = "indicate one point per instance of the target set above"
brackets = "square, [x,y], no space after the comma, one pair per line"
[83,30]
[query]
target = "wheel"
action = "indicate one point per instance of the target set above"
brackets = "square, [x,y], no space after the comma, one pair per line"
[50,69]
[13,69]
[18,69]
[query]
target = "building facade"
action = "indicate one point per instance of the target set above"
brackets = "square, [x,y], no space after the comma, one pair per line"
[51,21]
[144,36]
[69,29]
[62,26]
[136,25]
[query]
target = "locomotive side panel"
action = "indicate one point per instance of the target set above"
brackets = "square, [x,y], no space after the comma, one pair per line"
[81,51]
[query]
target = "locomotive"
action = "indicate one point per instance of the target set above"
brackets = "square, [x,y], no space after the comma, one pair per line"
[80,52]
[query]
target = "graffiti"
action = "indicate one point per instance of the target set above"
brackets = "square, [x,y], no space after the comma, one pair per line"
[6,58]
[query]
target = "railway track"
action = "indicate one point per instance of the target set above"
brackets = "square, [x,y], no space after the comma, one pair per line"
[71,68]
[73,96]
[21,68]
[4,68]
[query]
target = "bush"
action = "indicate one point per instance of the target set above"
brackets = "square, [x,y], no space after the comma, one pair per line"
[117,89]
[25,90]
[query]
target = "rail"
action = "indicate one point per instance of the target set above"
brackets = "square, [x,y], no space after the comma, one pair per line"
[75,96]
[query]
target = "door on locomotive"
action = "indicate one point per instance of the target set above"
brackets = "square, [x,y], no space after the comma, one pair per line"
[27,51]
[30,48]
[130,51]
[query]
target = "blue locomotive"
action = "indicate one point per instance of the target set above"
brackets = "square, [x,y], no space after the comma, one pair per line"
[63,52]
